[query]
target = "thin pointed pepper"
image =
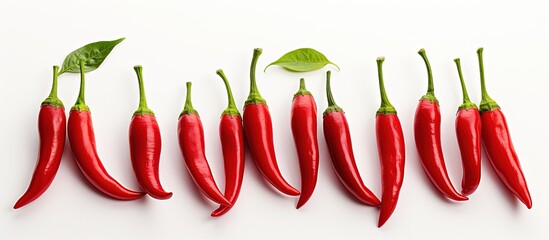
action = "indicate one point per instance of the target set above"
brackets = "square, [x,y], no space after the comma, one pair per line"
[232,144]
[498,145]
[468,132]
[304,130]
[258,129]
[51,128]
[191,143]
[427,137]
[82,141]
[338,139]
[391,150]
[145,145]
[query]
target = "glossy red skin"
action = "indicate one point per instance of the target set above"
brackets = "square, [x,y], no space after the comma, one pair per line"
[52,130]
[428,144]
[338,139]
[468,127]
[258,129]
[501,153]
[232,144]
[191,142]
[392,155]
[82,141]
[145,147]
[304,130]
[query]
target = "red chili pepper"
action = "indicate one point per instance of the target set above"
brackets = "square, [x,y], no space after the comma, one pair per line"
[191,143]
[391,150]
[468,127]
[427,136]
[82,141]
[338,139]
[304,129]
[259,134]
[498,145]
[232,143]
[51,128]
[145,145]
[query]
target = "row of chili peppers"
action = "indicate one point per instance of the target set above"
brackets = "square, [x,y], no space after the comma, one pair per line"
[472,127]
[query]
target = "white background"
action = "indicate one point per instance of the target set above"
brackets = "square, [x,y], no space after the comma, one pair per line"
[179,41]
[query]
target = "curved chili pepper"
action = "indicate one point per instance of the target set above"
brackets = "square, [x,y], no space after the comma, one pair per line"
[391,150]
[191,143]
[82,141]
[145,145]
[232,143]
[427,137]
[498,145]
[259,134]
[51,128]
[338,139]
[468,127]
[304,127]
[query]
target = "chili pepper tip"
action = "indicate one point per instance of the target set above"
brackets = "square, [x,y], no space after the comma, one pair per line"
[20,203]
[220,211]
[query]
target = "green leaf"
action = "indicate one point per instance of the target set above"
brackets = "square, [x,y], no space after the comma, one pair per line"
[303,60]
[92,55]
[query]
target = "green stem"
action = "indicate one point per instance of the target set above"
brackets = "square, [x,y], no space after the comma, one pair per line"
[386,106]
[52,99]
[487,103]
[467,104]
[254,97]
[332,106]
[231,109]
[53,92]
[188,109]
[80,102]
[302,89]
[430,95]
[143,108]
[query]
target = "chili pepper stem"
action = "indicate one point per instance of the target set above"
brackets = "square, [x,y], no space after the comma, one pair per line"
[487,103]
[231,109]
[80,101]
[188,109]
[386,106]
[52,99]
[332,106]
[143,108]
[430,95]
[467,104]
[302,89]
[254,97]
